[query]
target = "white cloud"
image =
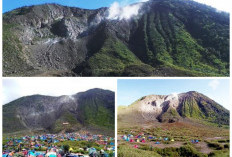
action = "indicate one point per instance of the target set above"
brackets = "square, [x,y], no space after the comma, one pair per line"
[16,88]
[214,84]
[224,5]
[123,10]
[143,0]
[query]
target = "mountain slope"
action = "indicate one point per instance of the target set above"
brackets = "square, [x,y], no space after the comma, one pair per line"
[93,110]
[191,106]
[166,38]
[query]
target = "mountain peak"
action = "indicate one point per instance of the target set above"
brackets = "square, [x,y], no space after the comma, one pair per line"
[47,113]
[111,41]
[191,105]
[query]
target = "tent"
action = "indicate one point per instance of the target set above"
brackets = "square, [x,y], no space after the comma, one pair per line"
[124,137]
[128,139]
[92,152]
[172,140]
[131,140]
[165,139]
[70,149]
[195,141]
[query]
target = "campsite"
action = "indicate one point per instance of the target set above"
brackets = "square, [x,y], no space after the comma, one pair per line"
[173,139]
[180,124]
[76,144]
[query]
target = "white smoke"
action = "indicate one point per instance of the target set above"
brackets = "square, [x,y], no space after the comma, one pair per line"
[71,97]
[172,97]
[175,95]
[67,98]
[119,11]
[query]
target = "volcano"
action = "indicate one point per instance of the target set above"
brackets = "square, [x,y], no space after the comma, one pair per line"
[92,110]
[162,38]
[190,106]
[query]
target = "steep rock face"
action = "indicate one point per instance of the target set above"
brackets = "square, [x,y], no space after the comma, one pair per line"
[49,35]
[93,108]
[171,108]
[174,38]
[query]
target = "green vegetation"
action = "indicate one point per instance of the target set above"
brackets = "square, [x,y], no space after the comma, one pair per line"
[146,150]
[174,38]
[10,120]
[13,51]
[94,112]
[168,40]
[126,151]
[191,109]
[66,117]
[169,116]
[112,58]
[222,153]
[184,151]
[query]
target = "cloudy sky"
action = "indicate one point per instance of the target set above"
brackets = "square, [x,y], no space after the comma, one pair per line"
[130,90]
[15,88]
[93,4]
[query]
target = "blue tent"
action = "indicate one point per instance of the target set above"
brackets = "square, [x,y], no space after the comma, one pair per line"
[165,139]
[106,155]
[128,139]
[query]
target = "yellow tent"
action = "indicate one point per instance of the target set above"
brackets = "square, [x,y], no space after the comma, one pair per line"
[172,140]
[70,149]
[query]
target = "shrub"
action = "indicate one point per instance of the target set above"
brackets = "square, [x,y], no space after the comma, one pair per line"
[227,146]
[66,148]
[216,146]
[188,150]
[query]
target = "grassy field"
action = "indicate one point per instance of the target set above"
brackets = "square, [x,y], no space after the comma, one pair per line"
[213,141]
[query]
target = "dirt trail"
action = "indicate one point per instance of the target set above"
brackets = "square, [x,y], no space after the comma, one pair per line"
[214,138]
[203,147]
[174,144]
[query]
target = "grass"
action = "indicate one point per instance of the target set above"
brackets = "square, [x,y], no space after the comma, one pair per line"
[180,132]
[66,117]
[104,117]
[127,151]
[13,60]
[113,57]
[221,153]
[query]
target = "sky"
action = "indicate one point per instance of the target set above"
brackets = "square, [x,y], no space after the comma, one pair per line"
[16,88]
[9,5]
[130,90]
